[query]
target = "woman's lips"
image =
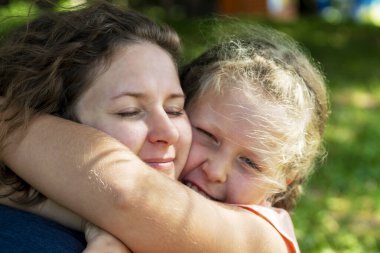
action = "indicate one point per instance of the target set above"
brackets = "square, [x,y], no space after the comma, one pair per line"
[161,164]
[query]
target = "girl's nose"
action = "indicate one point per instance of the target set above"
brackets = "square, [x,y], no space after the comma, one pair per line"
[162,129]
[216,169]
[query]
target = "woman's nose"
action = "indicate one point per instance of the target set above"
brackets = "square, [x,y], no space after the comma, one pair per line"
[162,129]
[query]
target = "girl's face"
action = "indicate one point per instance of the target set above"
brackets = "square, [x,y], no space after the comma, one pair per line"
[224,163]
[138,100]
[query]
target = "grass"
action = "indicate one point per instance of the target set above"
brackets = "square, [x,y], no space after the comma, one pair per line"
[340,211]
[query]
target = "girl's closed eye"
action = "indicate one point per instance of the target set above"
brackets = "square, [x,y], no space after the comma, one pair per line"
[249,163]
[207,134]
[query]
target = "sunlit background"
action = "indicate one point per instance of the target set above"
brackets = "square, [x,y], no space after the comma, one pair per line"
[340,211]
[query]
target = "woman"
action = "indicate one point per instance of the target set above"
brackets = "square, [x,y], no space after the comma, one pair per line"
[90,66]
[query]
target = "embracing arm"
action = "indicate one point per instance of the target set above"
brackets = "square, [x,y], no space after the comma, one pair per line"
[109,186]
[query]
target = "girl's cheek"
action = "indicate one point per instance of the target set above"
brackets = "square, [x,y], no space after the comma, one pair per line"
[195,159]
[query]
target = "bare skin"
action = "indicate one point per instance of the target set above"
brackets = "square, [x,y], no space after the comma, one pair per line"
[113,189]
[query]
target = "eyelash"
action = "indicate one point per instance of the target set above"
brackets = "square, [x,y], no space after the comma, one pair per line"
[176,113]
[209,135]
[250,163]
[128,114]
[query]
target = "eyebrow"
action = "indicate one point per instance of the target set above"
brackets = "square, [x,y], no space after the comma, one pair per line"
[142,95]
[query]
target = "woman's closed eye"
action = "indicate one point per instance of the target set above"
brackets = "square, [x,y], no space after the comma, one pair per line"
[129,113]
[175,111]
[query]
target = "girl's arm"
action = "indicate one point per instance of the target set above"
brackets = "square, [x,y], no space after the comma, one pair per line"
[100,179]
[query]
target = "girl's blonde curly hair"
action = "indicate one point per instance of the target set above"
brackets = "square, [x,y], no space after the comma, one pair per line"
[262,62]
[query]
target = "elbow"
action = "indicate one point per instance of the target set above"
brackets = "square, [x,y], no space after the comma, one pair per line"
[127,189]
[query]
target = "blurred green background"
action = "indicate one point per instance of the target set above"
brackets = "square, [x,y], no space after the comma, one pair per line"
[340,211]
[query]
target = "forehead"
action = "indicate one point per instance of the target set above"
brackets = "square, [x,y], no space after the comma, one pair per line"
[235,105]
[247,120]
[137,67]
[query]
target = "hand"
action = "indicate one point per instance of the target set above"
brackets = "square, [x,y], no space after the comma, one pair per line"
[101,241]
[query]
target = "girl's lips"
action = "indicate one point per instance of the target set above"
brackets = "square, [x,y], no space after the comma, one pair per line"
[198,189]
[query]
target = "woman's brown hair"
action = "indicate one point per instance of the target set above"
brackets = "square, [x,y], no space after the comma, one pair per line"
[48,63]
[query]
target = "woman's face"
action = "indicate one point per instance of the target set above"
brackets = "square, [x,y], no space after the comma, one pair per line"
[228,157]
[138,100]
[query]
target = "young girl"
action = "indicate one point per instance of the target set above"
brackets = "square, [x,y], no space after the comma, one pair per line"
[258,108]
